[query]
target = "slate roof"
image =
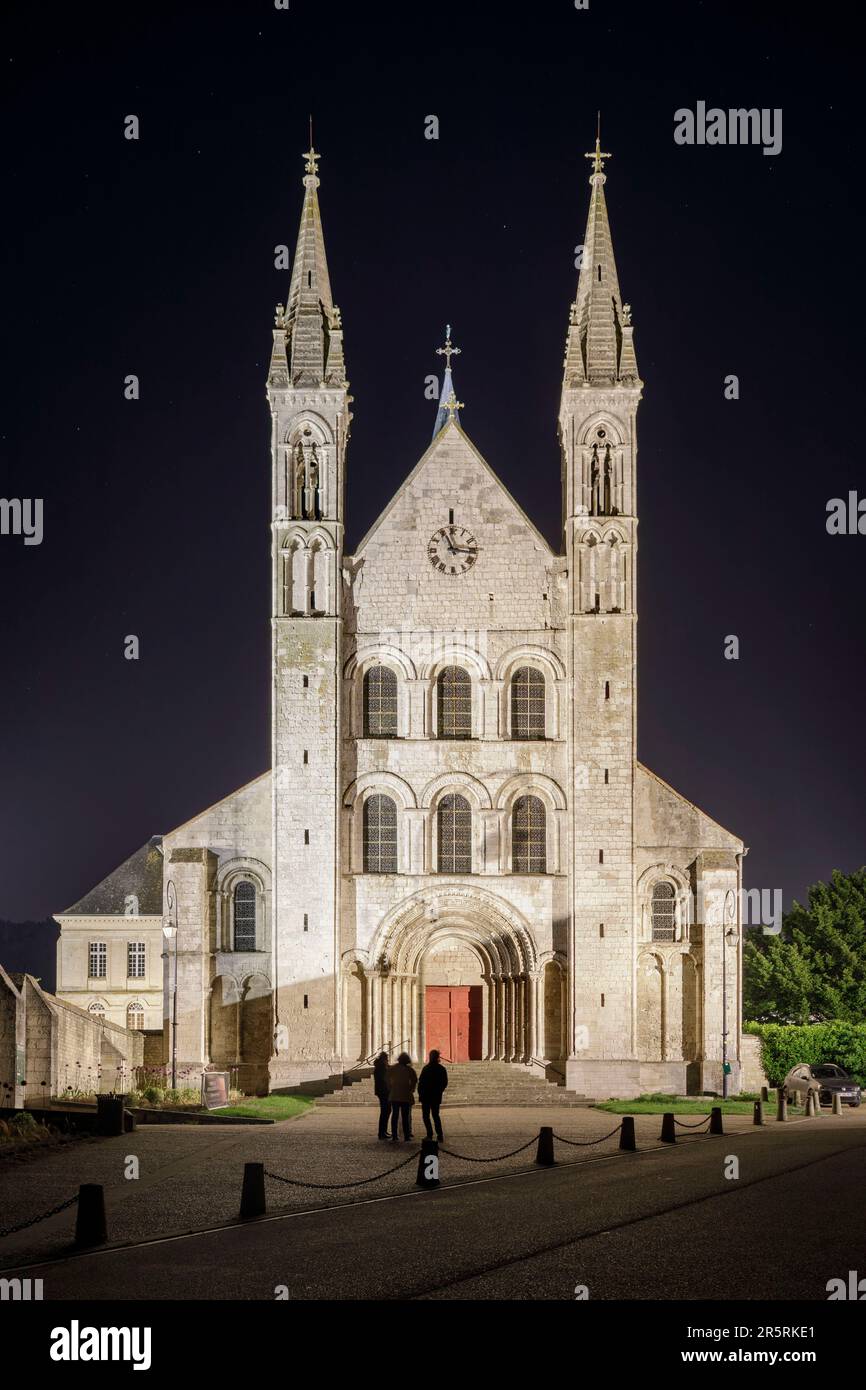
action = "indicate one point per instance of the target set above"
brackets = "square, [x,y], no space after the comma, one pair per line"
[140,874]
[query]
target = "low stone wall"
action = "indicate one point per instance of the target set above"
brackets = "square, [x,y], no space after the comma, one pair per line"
[63,1049]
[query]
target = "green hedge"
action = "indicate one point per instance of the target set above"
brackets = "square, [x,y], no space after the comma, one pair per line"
[784,1045]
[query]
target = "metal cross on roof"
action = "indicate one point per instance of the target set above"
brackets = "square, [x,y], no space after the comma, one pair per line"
[448,351]
[452,405]
[312,158]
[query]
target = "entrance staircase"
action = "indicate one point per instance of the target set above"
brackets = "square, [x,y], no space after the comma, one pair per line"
[472,1083]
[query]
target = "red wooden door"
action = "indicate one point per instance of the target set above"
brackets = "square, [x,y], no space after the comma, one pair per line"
[452,1025]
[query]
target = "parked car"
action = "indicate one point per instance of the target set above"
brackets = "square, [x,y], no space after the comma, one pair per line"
[825,1080]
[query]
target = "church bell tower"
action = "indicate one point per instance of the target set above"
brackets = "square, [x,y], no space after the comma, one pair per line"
[310,417]
[601,390]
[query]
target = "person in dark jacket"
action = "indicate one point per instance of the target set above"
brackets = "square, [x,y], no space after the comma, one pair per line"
[431,1088]
[402,1081]
[381,1087]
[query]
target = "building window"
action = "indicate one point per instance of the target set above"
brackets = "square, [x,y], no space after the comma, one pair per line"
[663,912]
[455,703]
[245,916]
[96,1009]
[527,703]
[454,833]
[380,703]
[97,968]
[380,835]
[135,960]
[135,1016]
[529,836]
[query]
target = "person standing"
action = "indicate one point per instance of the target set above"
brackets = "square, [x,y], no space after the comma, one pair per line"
[431,1088]
[403,1081]
[382,1089]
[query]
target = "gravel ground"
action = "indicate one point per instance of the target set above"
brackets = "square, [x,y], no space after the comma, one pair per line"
[190,1177]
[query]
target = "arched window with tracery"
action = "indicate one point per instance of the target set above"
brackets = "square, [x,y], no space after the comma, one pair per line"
[135,1016]
[527,703]
[663,911]
[529,836]
[380,835]
[380,703]
[454,835]
[244,916]
[454,690]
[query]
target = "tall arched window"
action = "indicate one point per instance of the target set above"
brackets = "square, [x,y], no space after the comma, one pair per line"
[135,1016]
[529,836]
[663,910]
[527,703]
[455,703]
[380,835]
[454,835]
[380,703]
[245,916]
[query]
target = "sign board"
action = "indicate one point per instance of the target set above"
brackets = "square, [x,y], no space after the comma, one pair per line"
[214,1089]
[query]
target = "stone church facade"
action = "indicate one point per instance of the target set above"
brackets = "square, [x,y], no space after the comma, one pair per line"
[456,845]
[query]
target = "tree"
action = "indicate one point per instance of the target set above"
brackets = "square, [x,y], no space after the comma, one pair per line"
[816,968]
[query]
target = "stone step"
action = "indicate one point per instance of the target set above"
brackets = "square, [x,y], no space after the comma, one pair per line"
[471,1083]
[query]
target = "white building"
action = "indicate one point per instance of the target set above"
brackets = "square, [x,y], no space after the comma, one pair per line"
[456,846]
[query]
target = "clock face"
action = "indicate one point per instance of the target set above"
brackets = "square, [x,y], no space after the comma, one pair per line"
[452,550]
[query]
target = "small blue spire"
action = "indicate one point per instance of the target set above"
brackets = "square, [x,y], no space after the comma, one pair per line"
[443,414]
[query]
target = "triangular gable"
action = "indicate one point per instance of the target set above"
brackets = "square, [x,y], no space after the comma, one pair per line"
[445,440]
[662,816]
[241,794]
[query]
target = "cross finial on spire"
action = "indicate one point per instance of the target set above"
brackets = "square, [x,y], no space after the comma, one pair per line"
[598,155]
[452,405]
[448,351]
[312,158]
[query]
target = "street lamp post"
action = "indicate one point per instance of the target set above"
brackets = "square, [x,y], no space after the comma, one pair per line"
[169,931]
[729,937]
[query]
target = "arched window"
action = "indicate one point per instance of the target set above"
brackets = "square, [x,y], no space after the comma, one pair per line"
[96,1009]
[245,916]
[380,703]
[663,911]
[454,833]
[529,836]
[380,835]
[135,1016]
[527,703]
[455,703]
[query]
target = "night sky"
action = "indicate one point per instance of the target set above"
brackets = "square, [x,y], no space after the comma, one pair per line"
[156,257]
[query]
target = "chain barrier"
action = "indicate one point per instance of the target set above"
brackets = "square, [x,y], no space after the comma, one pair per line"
[339,1186]
[34,1220]
[470,1158]
[586,1143]
[700,1124]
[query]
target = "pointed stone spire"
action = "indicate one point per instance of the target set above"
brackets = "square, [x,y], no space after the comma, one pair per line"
[309,336]
[449,406]
[599,348]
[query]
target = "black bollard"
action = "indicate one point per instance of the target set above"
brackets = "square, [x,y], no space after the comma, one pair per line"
[428,1165]
[253,1201]
[716,1126]
[544,1152]
[626,1134]
[781,1104]
[669,1128]
[90,1224]
[765,1094]
[758,1114]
